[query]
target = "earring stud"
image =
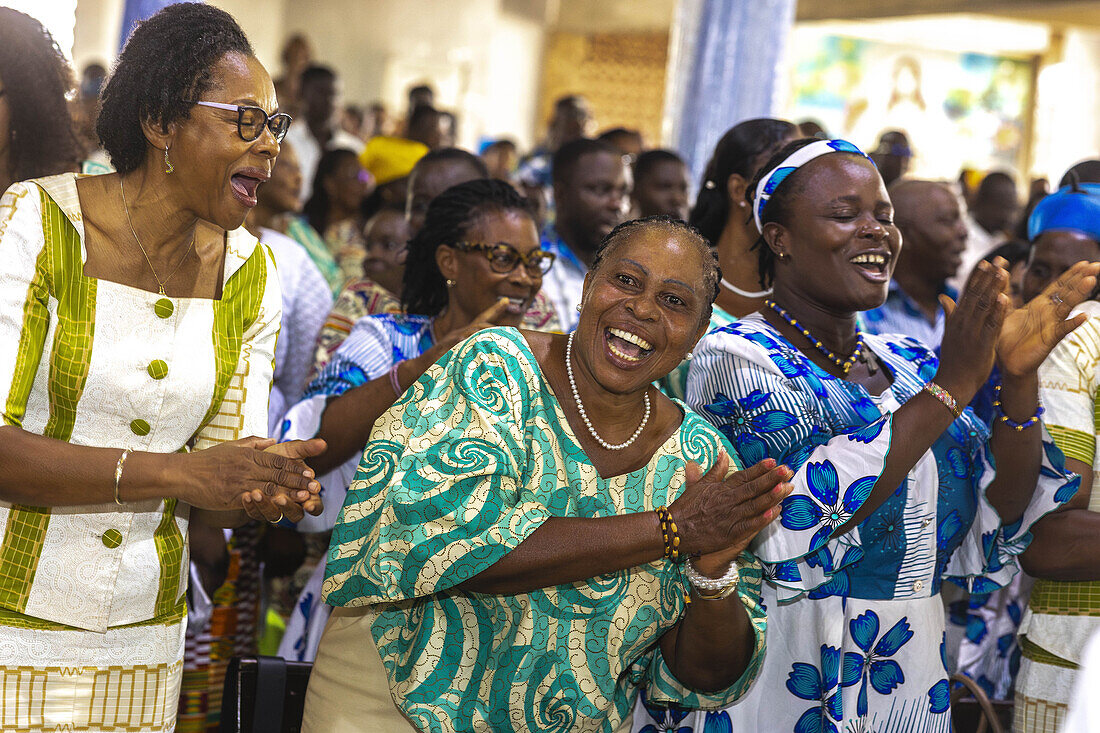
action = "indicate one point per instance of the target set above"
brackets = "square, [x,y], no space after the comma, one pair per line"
[450,283]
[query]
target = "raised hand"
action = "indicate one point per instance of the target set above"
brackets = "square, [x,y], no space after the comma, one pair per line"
[971,330]
[1031,332]
[718,515]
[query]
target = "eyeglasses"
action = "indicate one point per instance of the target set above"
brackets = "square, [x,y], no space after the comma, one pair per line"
[251,121]
[504,258]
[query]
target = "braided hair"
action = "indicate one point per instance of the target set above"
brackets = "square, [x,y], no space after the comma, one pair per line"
[36,78]
[712,273]
[169,58]
[736,153]
[778,208]
[450,216]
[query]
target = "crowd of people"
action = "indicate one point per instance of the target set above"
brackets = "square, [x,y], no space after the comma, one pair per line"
[538,442]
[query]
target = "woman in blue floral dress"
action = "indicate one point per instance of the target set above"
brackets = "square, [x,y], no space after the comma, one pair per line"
[895,487]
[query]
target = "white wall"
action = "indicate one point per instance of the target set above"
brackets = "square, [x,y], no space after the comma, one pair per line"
[1068,107]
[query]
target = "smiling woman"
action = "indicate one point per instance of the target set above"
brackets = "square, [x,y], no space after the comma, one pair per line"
[517,537]
[894,485]
[137,332]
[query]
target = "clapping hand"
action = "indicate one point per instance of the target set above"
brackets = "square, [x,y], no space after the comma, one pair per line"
[1031,332]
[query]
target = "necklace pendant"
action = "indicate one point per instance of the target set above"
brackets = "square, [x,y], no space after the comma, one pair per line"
[160,289]
[870,361]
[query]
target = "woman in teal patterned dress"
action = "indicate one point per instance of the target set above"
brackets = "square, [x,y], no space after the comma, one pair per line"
[500,564]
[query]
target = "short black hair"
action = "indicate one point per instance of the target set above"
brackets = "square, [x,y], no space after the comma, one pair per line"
[617,132]
[712,273]
[650,159]
[36,78]
[169,58]
[449,217]
[1087,171]
[565,160]
[452,155]
[735,152]
[996,178]
[315,72]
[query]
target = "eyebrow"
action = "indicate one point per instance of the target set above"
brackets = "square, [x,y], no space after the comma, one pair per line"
[671,280]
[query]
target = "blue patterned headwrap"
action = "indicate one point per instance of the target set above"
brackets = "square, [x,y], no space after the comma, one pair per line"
[790,164]
[1068,210]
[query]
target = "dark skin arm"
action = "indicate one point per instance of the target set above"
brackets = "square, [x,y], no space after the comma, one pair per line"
[1064,542]
[709,648]
[252,476]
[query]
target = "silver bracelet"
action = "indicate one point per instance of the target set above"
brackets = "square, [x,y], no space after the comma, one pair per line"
[711,585]
[118,473]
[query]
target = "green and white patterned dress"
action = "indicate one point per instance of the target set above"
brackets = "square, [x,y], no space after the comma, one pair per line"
[92,597]
[462,469]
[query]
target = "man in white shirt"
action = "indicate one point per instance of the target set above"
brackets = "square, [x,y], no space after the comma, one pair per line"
[318,130]
[996,207]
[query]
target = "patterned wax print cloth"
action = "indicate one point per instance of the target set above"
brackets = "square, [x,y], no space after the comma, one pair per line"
[463,468]
[92,597]
[348,246]
[855,621]
[1063,615]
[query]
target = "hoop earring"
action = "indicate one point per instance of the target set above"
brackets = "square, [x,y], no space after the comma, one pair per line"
[168,167]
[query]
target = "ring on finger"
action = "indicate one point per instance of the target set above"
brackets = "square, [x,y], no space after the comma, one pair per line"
[1056,299]
[276,521]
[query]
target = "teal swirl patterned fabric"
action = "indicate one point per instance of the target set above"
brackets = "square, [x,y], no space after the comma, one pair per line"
[463,468]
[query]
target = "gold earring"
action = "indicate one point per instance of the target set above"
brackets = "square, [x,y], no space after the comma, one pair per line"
[689,356]
[168,167]
[782,256]
[450,283]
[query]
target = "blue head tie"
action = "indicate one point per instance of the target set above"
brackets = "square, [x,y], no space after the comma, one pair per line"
[793,162]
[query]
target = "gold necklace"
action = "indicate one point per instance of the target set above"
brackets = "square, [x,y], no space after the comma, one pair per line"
[160,283]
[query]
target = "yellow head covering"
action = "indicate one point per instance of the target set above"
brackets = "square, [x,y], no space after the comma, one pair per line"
[390,158]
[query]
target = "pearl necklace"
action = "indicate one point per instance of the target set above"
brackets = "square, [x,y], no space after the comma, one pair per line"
[744,293]
[844,364]
[584,414]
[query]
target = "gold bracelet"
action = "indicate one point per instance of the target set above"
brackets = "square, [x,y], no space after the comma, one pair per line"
[118,473]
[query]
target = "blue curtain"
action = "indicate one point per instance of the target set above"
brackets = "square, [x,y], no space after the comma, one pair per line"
[723,68]
[136,11]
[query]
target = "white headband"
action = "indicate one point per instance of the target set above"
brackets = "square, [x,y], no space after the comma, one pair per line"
[790,164]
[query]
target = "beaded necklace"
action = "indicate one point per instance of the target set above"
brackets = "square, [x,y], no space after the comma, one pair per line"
[844,364]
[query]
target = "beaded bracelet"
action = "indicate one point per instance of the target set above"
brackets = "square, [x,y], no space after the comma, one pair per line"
[945,397]
[669,533]
[1017,426]
[713,589]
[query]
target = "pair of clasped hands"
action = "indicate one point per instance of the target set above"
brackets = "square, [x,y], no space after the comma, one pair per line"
[720,512]
[270,481]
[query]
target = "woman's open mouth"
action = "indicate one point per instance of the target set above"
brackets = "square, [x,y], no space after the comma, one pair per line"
[873,265]
[517,306]
[244,186]
[627,346]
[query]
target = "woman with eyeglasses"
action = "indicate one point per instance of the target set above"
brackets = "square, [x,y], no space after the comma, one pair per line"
[137,332]
[536,532]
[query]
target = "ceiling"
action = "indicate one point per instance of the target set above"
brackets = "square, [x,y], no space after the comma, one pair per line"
[1054,12]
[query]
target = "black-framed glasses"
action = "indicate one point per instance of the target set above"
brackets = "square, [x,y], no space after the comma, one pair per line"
[251,121]
[503,257]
